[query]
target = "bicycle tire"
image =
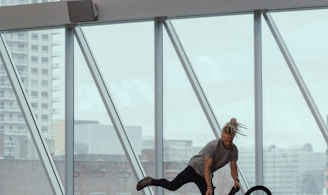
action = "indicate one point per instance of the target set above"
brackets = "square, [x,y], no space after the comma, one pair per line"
[255,188]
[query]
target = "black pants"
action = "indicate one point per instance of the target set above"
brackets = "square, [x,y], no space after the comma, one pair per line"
[186,176]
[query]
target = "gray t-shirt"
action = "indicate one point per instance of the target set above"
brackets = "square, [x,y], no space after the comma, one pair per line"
[215,150]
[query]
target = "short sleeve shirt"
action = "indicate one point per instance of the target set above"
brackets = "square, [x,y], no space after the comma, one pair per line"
[215,150]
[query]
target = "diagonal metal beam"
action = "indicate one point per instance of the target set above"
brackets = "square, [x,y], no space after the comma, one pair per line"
[110,107]
[297,76]
[22,99]
[192,78]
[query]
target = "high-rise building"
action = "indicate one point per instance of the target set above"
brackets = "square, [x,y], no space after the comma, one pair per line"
[32,56]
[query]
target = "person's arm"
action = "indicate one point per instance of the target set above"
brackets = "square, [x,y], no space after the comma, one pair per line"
[208,175]
[234,173]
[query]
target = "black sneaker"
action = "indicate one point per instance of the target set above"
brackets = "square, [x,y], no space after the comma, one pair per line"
[144,182]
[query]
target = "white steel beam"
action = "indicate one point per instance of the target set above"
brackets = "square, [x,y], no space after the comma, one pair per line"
[159,134]
[69,110]
[258,96]
[54,14]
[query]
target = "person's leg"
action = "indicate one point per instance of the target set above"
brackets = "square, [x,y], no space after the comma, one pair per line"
[182,178]
[186,176]
[201,183]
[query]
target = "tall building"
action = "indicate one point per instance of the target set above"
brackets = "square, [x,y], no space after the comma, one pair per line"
[32,56]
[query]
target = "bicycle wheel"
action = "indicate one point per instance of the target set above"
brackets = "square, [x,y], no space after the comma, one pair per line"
[255,188]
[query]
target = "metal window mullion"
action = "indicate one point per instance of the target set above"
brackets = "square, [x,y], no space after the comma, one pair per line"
[159,100]
[192,78]
[258,91]
[297,76]
[37,138]
[110,107]
[69,110]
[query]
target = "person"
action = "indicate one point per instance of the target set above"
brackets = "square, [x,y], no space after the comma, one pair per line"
[200,169]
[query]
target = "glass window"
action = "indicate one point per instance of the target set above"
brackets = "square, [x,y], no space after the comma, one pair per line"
[23,151]
[222,60]
[34,94]
[34,59]
[34,83]
[44,106]
[45,60]
[130,47]
[45,83]
[44,128]
[220,50]
[44,94]
[44,118]
[44,37]
[34,48]
[295,151]
[45,48]
[34,105]
[34,36]
[34,71]
[44,72]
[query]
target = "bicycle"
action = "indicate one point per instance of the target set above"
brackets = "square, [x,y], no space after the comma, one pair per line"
[252,189]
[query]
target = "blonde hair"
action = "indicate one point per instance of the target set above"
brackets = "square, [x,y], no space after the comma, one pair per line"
[233,127]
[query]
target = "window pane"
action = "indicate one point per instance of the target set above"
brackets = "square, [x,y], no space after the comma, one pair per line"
[124,54]
[295,149]
[220,50]
[18,145]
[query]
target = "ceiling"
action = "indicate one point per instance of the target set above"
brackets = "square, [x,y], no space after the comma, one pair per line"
[54,14]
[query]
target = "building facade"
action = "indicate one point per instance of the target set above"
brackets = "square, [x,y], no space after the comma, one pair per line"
[33,59]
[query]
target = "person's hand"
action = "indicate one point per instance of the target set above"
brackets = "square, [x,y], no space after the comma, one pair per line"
[233,191]
[237,184]
[209,191]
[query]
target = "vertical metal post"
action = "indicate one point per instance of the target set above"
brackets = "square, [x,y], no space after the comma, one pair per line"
[69,110]
[159,100]
[258,98]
